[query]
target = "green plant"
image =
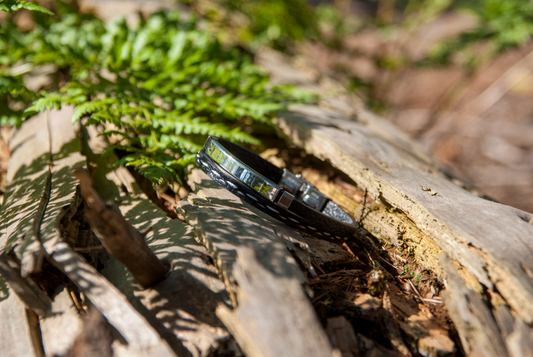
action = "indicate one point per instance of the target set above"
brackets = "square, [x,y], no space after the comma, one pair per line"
[15,5]
[502,24]
[161,87]
[276,23]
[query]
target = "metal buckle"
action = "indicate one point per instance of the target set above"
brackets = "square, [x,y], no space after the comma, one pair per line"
[312,197]
[302,190]
[291,182]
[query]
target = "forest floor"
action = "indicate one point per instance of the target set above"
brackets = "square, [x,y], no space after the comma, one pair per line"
[479,122]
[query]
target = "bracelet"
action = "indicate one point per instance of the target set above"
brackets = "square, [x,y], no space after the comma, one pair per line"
[277,192]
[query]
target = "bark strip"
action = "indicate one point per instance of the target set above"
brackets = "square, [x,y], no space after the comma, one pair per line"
[120,238]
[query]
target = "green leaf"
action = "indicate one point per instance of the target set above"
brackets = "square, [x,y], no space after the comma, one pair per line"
[15,5]
[164,85]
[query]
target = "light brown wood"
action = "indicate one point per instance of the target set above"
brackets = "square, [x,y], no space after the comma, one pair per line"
[61,154]
[27,191]
[39,184]
[492,241]
[425,206]
[15,330]
[120,238]
[61,326]
[114,305]
[181,307]
[265,283]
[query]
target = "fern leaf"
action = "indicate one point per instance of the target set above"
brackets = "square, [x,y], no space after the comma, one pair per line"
[15,5]
[88,108]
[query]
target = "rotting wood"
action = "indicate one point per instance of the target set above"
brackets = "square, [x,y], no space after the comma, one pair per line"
[120,238]
[16,335]
[265,283]
[468,228]
[419,203]
[477,328]
[61,325]
[114,305]
[183,305]
[95,337]
[383,222]
[29,293]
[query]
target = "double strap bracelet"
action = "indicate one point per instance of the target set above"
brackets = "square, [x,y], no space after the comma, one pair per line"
[277,192]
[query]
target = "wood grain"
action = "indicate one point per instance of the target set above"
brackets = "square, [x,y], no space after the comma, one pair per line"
[493,242]
[181,307]
[16,331]
[263,279]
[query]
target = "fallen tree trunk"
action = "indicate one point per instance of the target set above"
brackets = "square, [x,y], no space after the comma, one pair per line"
[238,289]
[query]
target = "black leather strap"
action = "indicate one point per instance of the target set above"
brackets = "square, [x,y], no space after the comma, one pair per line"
[298,215]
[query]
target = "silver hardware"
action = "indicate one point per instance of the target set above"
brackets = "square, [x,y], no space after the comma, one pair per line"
[289,188]
[291,182]
[337,213]
[312,197]
[285,200]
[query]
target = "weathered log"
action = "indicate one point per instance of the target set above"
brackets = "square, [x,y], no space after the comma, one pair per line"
[422,204]
[394,171]
[62,324]
[94,339]
[28,292]
[18,330]
[39,188]
[138,333]
[265,283]
[30,168]
[120,238]
[183,305]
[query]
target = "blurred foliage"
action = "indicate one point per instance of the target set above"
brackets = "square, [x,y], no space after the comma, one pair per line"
[501,24]
[163,85]
[160,87]
[277,23]
[508,22]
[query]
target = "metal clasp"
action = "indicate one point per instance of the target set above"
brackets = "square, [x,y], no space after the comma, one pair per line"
[300,189]
[291,182]
[312,197]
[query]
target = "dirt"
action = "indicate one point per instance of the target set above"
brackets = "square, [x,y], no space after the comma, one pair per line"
[357,281]
[493,148]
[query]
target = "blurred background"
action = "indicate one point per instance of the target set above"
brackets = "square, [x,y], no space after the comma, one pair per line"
[456,75]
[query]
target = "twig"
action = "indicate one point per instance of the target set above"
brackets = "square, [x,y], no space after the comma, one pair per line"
[76,302]
[99,248]
[317,266]
[433,301]
[120,238]
[363,208]
[317,298]
[415,289]
[340,272]
[348,249]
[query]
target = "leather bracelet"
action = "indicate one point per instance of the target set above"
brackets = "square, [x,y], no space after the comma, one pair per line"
[277,192]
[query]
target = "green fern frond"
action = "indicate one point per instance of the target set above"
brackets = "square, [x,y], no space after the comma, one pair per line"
[15,5]
[47,102]
[89,108]
[163,85]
